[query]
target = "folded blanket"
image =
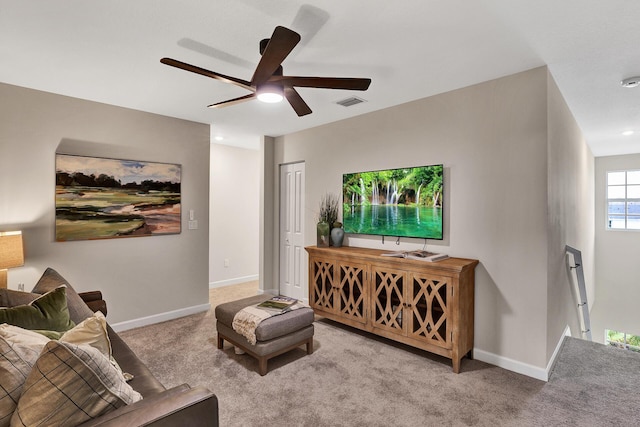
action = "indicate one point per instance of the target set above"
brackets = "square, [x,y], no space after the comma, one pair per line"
[247,320]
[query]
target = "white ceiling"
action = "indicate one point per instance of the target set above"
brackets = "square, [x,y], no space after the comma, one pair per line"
[109,51]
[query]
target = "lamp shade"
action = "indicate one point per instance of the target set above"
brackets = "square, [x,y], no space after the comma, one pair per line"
[11,252]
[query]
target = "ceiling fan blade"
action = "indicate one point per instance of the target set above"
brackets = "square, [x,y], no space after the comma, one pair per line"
[188,67]
[282,42]
[323,82]
[301,108]
[233,101]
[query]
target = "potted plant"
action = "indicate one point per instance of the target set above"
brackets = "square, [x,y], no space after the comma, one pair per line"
[327,216]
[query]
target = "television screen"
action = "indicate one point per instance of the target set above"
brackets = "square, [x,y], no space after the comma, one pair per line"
[405,202]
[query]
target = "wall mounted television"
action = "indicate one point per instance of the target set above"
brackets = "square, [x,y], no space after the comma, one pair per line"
[403,202]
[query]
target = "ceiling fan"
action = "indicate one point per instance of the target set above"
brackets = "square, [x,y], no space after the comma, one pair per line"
[268,82]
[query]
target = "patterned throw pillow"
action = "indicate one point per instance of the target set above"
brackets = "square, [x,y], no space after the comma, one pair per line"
[16,361]
[93,331]
[71,384]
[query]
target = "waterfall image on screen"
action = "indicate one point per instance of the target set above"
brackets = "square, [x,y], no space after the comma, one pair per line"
[405,202]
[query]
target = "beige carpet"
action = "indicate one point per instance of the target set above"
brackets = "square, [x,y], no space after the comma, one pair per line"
[356,379]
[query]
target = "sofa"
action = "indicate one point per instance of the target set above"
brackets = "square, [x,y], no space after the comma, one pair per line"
[155,405]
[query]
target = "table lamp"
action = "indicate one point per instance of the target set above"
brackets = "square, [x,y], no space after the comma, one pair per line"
[11,253]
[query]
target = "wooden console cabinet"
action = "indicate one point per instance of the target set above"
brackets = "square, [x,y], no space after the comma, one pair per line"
[428,305]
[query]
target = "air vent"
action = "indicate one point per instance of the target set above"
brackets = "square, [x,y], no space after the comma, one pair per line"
[350,101]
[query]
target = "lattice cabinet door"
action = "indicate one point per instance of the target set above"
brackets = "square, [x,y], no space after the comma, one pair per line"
[350,287]
[322,295]
[429,303]
[387,299]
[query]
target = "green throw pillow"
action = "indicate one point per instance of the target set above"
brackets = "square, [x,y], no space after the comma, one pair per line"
[49,312]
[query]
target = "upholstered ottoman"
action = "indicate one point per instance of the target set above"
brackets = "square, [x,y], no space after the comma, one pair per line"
[274,336]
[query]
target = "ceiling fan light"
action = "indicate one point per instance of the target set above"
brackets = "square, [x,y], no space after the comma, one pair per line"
[270,93]
[270,98]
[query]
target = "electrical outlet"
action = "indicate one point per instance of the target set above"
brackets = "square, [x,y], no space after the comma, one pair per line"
[21,287]
[226,262]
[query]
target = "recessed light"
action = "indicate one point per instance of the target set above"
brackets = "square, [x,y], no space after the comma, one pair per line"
[631,82]
[628,132]
[218,138]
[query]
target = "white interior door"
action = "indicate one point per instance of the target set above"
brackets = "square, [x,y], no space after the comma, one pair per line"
[292,254]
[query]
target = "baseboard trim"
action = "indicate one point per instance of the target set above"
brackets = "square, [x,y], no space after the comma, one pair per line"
[234,281]
[510,364]
[161,317]
[521,367]
[554,356]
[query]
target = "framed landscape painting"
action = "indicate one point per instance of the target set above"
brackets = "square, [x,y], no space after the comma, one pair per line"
[99,198]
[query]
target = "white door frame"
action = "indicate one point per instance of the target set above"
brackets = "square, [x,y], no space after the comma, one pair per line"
[293,268]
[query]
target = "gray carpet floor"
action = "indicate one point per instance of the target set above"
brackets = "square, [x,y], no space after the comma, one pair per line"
[357,379]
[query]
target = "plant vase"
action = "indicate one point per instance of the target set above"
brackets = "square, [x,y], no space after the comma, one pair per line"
[322,234]
[337,235]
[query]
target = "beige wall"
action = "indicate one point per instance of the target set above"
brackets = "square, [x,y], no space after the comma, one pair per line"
[571,219]
[617,266]
[492,140]
[139,277]
[517,180]
[234,206]
[269,220]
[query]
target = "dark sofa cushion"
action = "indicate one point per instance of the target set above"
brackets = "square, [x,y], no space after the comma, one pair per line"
[11,298]
[51,279]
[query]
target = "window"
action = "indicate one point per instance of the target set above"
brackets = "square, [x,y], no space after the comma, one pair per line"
[622,340]
[623,200]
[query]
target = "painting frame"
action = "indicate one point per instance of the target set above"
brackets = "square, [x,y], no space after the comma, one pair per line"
[106,198]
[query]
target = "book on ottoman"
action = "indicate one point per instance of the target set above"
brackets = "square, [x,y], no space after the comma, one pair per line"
[281,303]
